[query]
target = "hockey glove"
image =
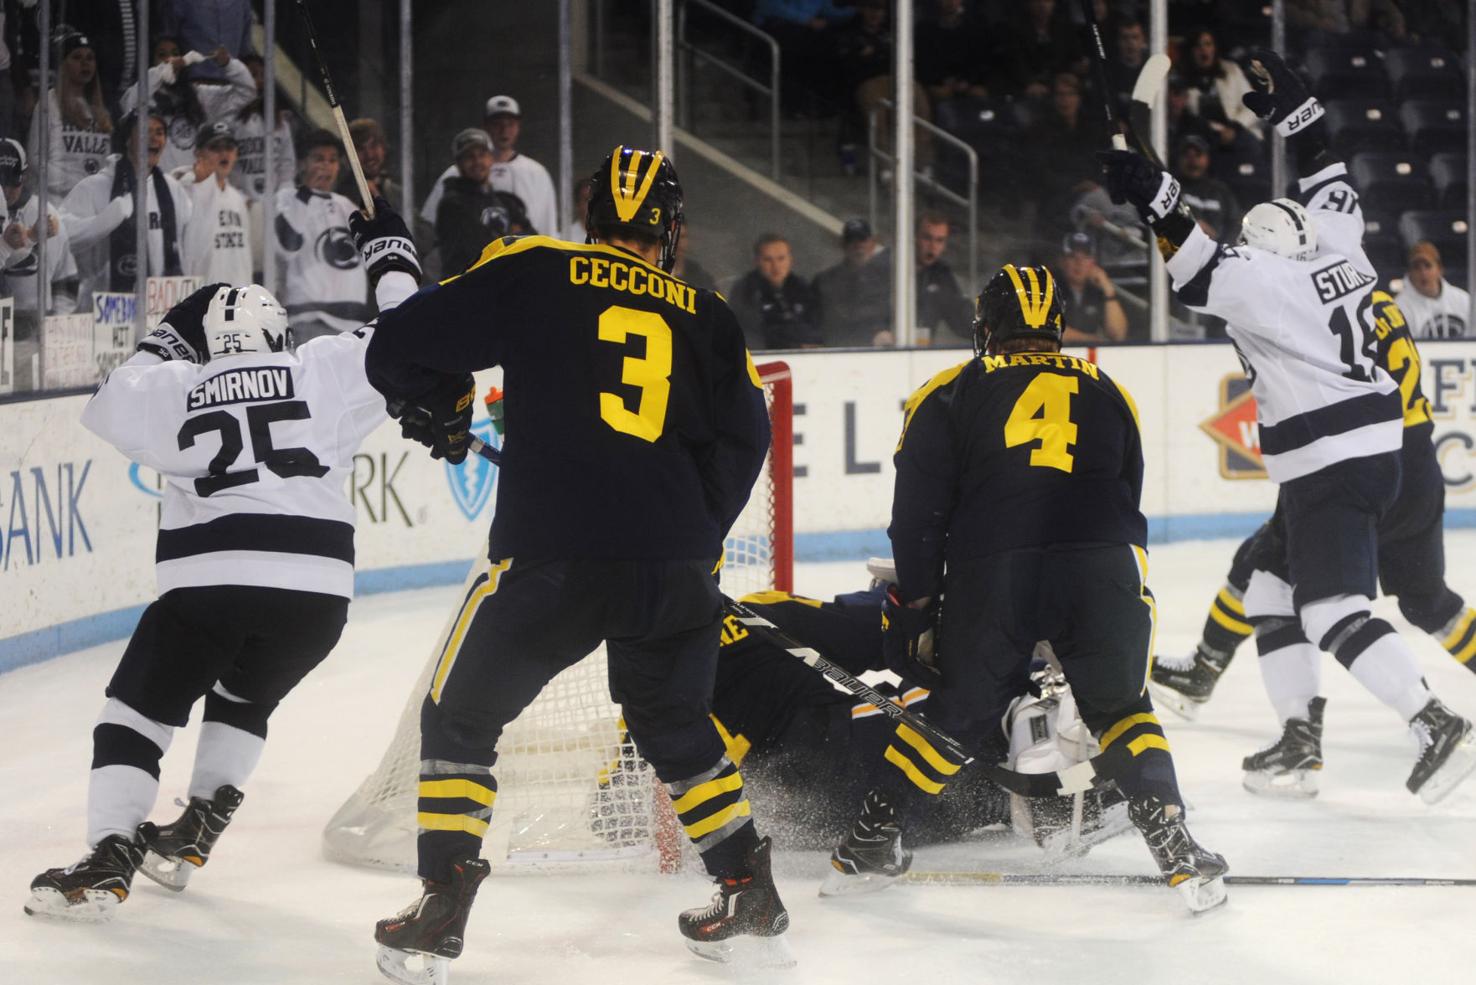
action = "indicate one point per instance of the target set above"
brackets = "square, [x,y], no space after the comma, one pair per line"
[181,335]
[1278,95]
[384,243]
[1132,178]
[908,640]
[441,419]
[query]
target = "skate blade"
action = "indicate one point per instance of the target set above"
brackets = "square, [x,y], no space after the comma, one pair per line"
[1174,701]
[394,965]
[838,883]
[1202,895]
[1457,766]
[1295,785]
[746,951]
[171,873]
[96,906]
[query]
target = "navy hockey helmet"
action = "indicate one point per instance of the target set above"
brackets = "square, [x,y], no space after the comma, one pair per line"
[1018,302]
[637,191]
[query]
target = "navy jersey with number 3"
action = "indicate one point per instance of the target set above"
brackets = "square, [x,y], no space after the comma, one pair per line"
[636,423]
[1004,452]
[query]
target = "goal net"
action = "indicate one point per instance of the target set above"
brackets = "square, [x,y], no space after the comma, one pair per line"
[572,792]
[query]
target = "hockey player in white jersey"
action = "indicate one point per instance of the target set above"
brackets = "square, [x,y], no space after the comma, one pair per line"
[1297,294]
[255,560]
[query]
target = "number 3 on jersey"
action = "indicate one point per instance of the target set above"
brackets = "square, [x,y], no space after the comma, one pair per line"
[651,373]
[1043,413]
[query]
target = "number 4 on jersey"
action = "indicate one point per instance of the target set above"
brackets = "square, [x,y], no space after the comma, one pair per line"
[1043,413]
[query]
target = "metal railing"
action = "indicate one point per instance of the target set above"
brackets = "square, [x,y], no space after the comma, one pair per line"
[969,202]
[694,56]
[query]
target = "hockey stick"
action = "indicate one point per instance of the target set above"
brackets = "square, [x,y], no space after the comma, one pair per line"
[1068,879]
[1099,64]
[338,118]
[1140,113]
[476,445]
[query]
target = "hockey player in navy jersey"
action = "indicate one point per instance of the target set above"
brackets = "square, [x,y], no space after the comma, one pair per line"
[1297,294]
[255,561]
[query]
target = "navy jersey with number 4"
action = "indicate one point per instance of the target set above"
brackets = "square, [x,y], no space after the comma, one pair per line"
[636,423]
[1004,452]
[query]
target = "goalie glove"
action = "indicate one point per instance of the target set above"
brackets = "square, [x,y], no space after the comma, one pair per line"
[909,637]
[181,335]
[384,242]
[1278,95]
[441,419]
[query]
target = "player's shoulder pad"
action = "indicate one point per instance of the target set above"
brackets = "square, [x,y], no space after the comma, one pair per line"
[505,247]
[941,381]
[1111,385]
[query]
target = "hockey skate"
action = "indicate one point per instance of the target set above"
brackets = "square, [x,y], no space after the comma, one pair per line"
[90,890]
[1290,765]
[745,922]
[1182,684]
[1447,752]
[1187,866]
[870,857]
[432,928]
[178,849]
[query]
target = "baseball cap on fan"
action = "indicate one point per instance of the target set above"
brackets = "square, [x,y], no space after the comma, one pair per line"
[501,106]
[12,162]
[211,132]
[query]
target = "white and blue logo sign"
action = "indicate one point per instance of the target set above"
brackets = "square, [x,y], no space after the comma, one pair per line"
[473,481]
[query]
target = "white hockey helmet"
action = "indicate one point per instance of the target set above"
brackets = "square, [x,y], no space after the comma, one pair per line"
[244,320]
[1281,226]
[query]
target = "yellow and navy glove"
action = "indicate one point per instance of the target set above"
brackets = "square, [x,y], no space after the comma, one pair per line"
[441,419]
[909,640]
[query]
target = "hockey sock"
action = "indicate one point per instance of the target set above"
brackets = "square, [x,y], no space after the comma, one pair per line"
[124,782]
[1291,667]
[1140,762]
[923,764]
[1381,661]
[231,742]
[455,797]
[714,811]
[1225,627]
[1459,637]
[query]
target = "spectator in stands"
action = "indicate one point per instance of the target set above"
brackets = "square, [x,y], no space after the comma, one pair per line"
[954,53]
[1181,119]
[187,103]
[1434,307]
[110,25]
[78,127]
[1059,153]
[512,172]
[20,230]
[575,233]
[856,294]
[800,27]
[688,270]
[373,150]
[325,289]
[1128,56]
[471,213]
[862,64]
[251,129]
[775,306]
[1036,46]
[217,242]
[1339,16]
[205,25]
[1094,313]
[944,316]
[1212,200]
[1215,87]
[98,213]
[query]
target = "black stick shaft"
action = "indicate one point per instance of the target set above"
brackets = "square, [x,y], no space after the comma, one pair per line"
[1099,66]
[337,108]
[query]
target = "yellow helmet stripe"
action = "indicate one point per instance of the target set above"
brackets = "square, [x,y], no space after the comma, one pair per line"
[1035,304]
[628,199]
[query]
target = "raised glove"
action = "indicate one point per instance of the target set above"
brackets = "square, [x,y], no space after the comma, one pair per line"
[1278,95]
[181,335]
[1132,178]
[441,419]
[119,210]
[908,640]
[384,242]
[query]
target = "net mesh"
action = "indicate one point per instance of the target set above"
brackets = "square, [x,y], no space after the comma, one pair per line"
[572,792]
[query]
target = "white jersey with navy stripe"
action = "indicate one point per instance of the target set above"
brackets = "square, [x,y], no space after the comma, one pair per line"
[254,451]
[1304,330]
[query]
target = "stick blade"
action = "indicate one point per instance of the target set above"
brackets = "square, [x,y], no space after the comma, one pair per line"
[1151,77]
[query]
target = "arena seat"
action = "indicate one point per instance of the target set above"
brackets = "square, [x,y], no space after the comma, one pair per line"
[1423,72]
[1432,126]
[1391,181]
[1356,125]
[1347,73]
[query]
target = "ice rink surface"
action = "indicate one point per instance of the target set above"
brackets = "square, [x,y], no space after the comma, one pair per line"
[268,910]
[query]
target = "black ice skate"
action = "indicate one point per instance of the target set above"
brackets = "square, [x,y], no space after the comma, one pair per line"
[745,922]
[1182,684]
[1290,765]
[89,891]
[870,857]
[178,849]
[433,927]
[1198,874]
[1447,752]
